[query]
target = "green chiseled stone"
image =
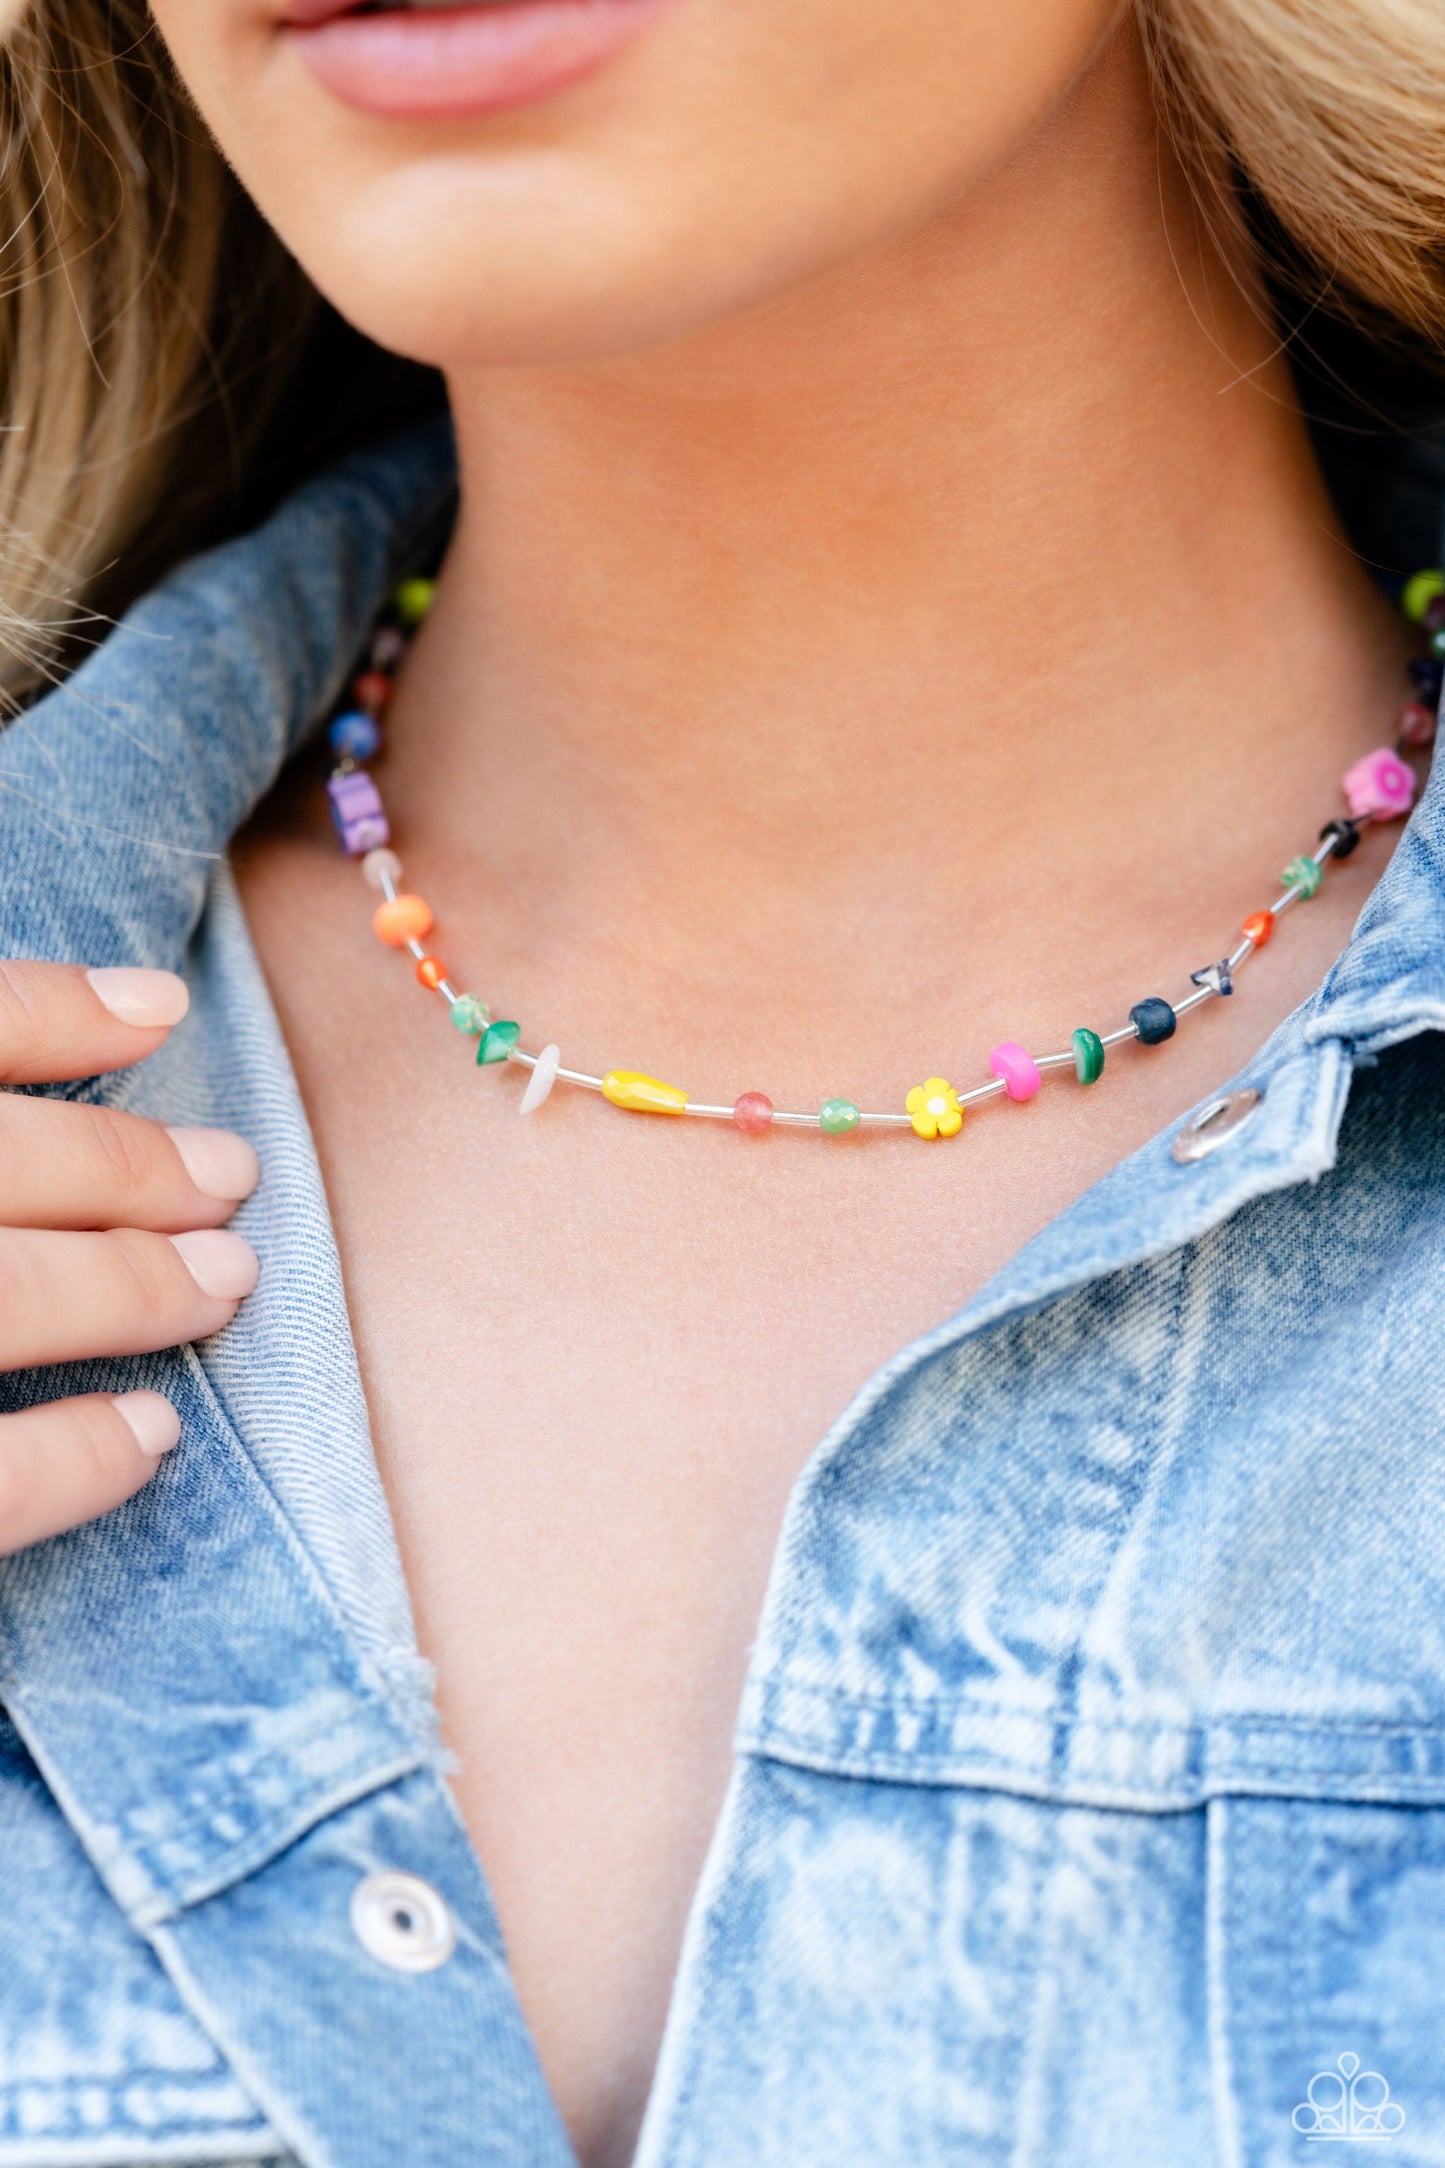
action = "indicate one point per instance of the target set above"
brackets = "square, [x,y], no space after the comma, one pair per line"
[1088,1056]
[470,1015]
[1305,875]
[838,1117]
[497,1042]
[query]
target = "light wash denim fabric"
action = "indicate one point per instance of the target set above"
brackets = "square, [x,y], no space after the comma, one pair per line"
[1089,1798]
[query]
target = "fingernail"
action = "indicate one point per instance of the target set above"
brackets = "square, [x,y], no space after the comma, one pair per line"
[141,997]
[220,1263]
[220,1163]
[152,1421]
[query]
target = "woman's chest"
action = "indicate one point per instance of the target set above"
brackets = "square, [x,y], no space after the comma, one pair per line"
[598,1350]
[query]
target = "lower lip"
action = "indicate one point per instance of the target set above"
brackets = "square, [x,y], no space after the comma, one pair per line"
[451,62]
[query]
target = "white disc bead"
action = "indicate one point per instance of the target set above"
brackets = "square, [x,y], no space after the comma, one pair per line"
[540,1082]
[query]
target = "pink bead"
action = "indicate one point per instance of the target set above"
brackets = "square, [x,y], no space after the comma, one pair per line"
[753,1113]
[1017,1067]
[1380,787]
[1415,725]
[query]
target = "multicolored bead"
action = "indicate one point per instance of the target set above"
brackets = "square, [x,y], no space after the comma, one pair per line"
[1304,874]
[401,919]
[753,1113]
[357,813]
[1415,727]
[641,1094]
[1016,1065]
[412,600]
[470,1015]
[933,1108]
[1088,1056]
[379,867]
[1421,589]
[1214,978]
[354,736]
[371,690]
[497,1042]
[540,1082]
[1153,1020]
[1345,836]
[838,1117]
[1427,673]
[1379,787]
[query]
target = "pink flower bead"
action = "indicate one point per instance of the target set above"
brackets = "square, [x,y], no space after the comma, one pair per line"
[1380,787]
[1017,1067]
[753,1113]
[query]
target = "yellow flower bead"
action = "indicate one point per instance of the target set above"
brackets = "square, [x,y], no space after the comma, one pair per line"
[642,1094]
[934,1108]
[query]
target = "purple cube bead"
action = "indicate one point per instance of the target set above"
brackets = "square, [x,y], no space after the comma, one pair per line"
[357,812]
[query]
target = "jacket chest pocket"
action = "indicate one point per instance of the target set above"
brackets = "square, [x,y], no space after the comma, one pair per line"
[1326,1966]
[902,1974]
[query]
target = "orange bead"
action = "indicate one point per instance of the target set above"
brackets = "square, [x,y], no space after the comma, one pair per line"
[431,971]
[1258,927]
[402,919]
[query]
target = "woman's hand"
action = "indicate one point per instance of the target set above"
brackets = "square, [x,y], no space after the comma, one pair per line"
[110,1238]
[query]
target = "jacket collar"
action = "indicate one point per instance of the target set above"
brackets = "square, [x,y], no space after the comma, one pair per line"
[120,789]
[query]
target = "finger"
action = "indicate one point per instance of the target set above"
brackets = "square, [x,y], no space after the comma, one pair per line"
[67,1462]
[79,1166]
[64,1297]
[60,1020]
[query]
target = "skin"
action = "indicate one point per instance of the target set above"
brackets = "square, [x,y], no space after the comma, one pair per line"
[892,609]
[89,1263]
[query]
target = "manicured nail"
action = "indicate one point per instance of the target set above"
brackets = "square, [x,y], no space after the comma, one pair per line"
[220,1263]
[152,1421]
[137,996]
[220,1163]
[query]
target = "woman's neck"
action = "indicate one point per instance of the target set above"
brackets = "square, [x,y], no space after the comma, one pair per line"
[1001,549]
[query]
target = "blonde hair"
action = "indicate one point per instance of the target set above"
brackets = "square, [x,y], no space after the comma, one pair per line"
[152,331]
[1334,113]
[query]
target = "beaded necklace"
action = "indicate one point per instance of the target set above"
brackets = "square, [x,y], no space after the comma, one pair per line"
[1379,787]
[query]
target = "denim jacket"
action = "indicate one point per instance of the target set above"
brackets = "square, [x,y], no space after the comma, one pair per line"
[1089,1795]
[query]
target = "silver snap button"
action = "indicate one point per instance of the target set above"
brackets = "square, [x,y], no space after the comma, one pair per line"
[402,1922]
[1214,1125]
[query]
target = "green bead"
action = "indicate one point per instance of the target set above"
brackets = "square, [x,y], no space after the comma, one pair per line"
[838,1117]
[1437,642]
[412,600]
[1305,874]
[497,1042]
[1088,1056]
[470,1015]
[1420,592]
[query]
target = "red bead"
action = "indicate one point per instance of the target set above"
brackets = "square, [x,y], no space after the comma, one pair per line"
[431,971]
[1415,727]
[371,691]
[1434,618]
[1258,927]
[753,1113]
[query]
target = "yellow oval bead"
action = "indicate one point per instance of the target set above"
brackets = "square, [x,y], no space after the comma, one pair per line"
[642,1094]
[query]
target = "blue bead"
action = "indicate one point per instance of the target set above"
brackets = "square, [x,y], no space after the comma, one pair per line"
[1427,672]
[1153,1020]
[354,736]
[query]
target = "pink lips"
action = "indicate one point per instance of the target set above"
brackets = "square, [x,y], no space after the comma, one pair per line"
[449,62]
